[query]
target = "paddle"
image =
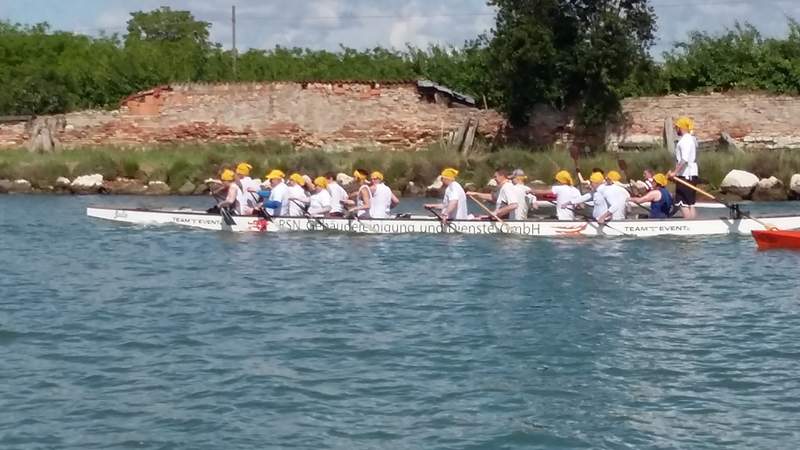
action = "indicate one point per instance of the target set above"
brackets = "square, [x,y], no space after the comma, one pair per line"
[733,208]
[304,208]
[592,219]
[491,214]
[575,154]
[441,219]
[226,216]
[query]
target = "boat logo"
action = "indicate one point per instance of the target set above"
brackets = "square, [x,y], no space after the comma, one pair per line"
[571,231]
[120,214]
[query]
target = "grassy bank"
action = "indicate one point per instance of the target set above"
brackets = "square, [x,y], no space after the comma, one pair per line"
[176,164]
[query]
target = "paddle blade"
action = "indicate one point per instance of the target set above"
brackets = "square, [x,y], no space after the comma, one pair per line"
[623,166]
[575,153]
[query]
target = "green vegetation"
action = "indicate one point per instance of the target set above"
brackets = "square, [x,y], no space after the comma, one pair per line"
[177,164]
[563,53]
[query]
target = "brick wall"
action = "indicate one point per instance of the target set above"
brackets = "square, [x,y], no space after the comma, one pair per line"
[345,115]
[315,115]
[753,120]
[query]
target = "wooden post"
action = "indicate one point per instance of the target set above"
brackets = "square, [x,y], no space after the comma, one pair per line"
[235,52]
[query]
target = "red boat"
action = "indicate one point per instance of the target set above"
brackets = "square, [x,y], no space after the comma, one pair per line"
[772,239]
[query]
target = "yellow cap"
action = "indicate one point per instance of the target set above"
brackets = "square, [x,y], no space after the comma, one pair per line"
[321,182]
[227,175]
[376,176]
[297,178]
[275,173]
[359,175]
[597,177]
[244,169]
[614,176]
[564,177]
[684,123]
[661,179]
[450,173]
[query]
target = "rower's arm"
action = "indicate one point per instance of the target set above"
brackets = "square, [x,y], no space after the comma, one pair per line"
[649,197]
[364,200]
[395,200]
[505,210]
[230,199]
[450,208]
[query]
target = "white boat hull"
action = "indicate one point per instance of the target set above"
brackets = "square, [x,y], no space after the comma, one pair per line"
[545,228]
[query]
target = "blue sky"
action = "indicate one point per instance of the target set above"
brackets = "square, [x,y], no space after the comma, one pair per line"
[367,23]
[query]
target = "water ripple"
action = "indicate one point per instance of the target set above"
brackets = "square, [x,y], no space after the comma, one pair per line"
[157,338]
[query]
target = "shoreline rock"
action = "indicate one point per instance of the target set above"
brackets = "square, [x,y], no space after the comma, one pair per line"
[87,184]
[769,189]
[740,183]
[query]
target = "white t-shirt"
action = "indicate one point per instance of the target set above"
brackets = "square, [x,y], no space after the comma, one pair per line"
[686,151]
[381,203]
[455,192]
[279,194]
[565,194]
[295,198]
[320,203]
[599,200]
[616,198]
[523,203]
[338,194]
[506,196]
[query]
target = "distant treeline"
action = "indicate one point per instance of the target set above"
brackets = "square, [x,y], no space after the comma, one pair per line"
[568,54]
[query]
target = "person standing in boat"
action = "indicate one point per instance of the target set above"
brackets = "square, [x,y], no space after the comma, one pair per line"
[454,203]
[296,195]
[319,204]
[686,167]
[506,203]
[659,197]
[338,196]
[565,193]
[362,196]
[231,200]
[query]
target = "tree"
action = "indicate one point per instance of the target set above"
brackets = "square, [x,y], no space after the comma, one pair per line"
[170,45]
[568,52]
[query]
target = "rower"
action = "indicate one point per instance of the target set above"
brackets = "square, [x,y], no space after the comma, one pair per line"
[277,202]
[246,185]
[383,199]
[566,194]
[616,198]
[363,196]
[319,203]
[296,194]
[659,197]
[686,167]
[525,197]
[506,203]
[454,204]
[231,202]
[338,196]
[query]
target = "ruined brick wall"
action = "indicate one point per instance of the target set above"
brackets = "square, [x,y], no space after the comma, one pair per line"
[315,115]
[753,120]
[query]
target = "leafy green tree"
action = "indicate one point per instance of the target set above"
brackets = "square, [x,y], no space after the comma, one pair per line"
[568,52]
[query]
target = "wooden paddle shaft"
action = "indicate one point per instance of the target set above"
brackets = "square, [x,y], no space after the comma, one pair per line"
[487,210]
[691,186]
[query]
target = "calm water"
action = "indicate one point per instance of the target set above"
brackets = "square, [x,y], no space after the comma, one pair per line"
[158,338]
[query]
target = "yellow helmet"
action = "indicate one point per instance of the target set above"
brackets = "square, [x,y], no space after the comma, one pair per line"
[564,177]
[359,175]
[274,174]
[685,123]
[661,179]
[227,175]
[614,176]
[376,176]
[321,182]
[244,169]
[297,178]
[597,177]
[450,173]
